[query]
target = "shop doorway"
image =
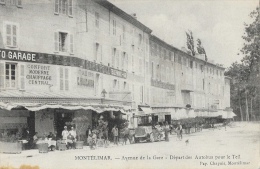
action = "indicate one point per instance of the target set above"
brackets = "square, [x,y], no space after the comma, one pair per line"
[168,118]
[31,122]
[62,118]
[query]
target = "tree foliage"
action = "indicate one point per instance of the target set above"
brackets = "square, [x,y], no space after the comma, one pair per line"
[245,89]
[190,42]
[201,49]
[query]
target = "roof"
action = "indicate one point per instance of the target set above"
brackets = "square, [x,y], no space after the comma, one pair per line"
[161,42]
[106,4]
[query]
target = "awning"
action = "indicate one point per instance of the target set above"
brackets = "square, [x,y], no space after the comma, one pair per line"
[35,101]
[146,110]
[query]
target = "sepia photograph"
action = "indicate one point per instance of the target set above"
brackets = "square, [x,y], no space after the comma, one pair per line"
[129,84]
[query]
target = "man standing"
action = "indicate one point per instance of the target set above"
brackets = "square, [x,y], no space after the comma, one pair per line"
[115,134]
[73,132]
[65,134]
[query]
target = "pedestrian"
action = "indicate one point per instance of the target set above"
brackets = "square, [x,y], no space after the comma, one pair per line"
[115,134]
[166,130]
[179,131]
[65,134]
[73,132]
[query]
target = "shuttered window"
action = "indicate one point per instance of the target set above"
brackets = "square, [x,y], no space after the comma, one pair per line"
[22,80]
[11,35]
[56,41]
[10,76]
[71,44]
[2,75]
[63,7]
[19,3]
[70,8]
[66,79]
[56,7]
[2,1]
[61,79]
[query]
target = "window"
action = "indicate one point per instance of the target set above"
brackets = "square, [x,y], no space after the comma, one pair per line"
[191,64]
[141,66]
[113,56]
[164,54]
[10,76]
[2,1]
[63,43]
[11,35]
[152,70]
[97,19]
[139,39]
[179,59]
[64,79]
[63,7]
[124,32]
[98,52]
[114,27]
[123,60]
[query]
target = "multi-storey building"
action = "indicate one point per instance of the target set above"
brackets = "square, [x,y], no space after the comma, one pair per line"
[61,59]
[182,84]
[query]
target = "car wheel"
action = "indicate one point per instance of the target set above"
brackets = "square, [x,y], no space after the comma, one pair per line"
[136,140]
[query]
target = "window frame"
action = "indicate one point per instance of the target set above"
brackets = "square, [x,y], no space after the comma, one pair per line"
[10,75]
[17,33]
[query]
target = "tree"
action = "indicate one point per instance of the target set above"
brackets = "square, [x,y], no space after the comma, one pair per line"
[190,42]
[201,49]
[245,88]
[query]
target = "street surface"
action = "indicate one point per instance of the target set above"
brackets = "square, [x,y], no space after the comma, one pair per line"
[237,147]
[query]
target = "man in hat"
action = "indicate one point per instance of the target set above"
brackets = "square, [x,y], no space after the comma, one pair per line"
[65,134]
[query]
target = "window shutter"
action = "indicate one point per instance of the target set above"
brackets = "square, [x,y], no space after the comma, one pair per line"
[71,43]
[70,8]
[8,35]
[66,79]
[22,79]
[86,20]
[19,3]
[2,1]
[56,7]
[2,75]
[14,35]
[61,79]
[101,53]
[56,41]
[113,57]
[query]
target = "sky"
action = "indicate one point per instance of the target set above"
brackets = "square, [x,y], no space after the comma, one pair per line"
[218,23]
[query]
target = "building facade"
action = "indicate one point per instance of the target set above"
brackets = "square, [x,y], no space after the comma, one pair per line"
[61,59]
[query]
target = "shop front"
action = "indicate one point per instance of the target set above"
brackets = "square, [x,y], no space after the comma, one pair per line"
[21,110]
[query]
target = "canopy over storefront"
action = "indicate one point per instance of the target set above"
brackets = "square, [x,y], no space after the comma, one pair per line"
[144,111]
[35,101]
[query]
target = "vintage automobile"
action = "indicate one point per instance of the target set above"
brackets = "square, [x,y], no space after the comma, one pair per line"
[148,134]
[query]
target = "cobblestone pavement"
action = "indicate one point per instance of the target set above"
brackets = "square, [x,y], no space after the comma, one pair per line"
[237,147]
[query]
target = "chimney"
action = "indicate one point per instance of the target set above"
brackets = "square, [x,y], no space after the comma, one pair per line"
[134,15]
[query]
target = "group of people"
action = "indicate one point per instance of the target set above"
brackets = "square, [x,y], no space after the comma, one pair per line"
[165,129]
[69,137]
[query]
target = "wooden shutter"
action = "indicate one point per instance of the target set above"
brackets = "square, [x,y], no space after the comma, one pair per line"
[19,3]
[66,79]
[56,41]
[8,35]
[86,15]
[70,9]
[101,53]
[14,31]
[71,43]
[56,7]
[113,57]
[22,79]
[61,79]
[2,1]
[2,75]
